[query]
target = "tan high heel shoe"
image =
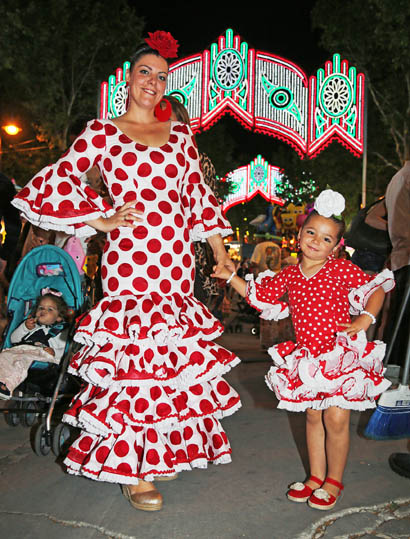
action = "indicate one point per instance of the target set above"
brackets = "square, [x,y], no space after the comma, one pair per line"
[150,500]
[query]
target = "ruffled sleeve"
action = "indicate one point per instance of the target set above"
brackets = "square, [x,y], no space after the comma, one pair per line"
[263,293]
[206,217]
[358,297]
[358,284]
[57,198]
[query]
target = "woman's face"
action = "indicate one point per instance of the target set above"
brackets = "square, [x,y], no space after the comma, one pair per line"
[47,312]
[147,81]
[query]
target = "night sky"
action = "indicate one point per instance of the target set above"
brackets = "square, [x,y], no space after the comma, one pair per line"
[281,28]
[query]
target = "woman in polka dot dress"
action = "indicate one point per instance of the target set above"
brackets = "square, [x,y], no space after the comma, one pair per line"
[155,394]
[331,369]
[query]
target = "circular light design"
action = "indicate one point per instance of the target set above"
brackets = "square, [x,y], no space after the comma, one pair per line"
[258,174]
[178,95]
[119,99]
[281,98]
[228,69]
[336,95]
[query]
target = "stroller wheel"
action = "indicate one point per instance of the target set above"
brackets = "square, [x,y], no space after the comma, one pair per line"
[61,435]
[40,443]
[29,418]
[12,416]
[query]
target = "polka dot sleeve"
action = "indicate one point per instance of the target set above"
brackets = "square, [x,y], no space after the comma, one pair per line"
[264,292]
[206,217]
[360,284]
[56,198]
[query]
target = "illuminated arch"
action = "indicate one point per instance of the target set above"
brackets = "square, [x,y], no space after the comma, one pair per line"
[259,177]
[265,93]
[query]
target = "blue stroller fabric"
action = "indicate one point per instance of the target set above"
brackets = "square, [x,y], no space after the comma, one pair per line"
[45,266]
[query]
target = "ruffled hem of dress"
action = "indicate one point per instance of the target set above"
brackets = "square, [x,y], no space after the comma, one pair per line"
[114,477]
[145,453]
[106,374]
[359,296]
[269,311]
[350,373]
[323,404]
[92,424]
[61,224]
[152,317]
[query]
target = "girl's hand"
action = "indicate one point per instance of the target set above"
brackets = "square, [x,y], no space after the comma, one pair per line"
[221,272]
[49,350]
[30,323]
[127,216]
[362,322]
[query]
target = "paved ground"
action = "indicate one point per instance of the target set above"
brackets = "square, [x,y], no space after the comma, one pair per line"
[245,499]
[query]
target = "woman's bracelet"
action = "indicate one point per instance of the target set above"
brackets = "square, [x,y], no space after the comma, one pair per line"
[371,316]
[231,277]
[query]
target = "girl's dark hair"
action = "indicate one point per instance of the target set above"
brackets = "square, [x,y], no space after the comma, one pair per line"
[339,222]
[59,302]
[142,50]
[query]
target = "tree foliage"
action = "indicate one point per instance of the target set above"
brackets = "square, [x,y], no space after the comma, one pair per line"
[54,53]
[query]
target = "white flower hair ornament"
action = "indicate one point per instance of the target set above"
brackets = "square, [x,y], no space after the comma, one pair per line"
[330,203]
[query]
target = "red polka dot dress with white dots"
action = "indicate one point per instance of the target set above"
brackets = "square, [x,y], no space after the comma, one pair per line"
[325,367]
[155,394]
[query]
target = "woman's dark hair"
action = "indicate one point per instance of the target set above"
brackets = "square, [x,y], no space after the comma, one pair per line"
[59,302]
[339,222]
[141,51]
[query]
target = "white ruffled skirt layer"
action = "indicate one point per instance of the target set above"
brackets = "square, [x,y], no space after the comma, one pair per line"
[154,394]
[349,376]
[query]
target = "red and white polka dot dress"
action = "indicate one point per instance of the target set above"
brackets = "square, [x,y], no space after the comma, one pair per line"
[155,391]
[325,367]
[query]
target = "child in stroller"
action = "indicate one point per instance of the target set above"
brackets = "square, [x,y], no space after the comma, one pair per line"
[42,398]
[40,337]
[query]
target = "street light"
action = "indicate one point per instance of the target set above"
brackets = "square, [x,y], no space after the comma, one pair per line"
[10,129]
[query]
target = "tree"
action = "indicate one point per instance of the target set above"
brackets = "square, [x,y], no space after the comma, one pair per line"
[54,53]
[375,36]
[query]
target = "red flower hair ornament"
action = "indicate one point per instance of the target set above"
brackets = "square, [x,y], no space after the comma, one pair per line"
[164,43]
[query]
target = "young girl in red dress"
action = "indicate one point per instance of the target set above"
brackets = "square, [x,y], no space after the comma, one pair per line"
[331,369]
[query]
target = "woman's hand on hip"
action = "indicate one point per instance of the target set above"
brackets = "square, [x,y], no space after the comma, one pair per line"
[127,216]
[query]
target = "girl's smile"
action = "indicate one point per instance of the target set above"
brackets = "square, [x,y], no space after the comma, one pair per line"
[318,238]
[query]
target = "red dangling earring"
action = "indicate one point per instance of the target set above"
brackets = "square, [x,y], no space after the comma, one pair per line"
[163,115]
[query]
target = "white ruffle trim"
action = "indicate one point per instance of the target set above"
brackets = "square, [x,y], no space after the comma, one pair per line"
[198,232]
[90,424]
[77,469]
[360,296]
[323,404]
[347,369]
[191,375]
[269,311]
[61,224]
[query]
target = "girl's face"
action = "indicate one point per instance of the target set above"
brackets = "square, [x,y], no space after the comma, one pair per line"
[318,238]
[147,80]
[47,313]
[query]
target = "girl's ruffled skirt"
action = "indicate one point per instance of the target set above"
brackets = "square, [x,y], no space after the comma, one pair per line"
[349,376]
[154,393]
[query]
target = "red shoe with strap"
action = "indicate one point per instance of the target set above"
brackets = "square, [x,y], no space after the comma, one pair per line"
[322,499]
[299,492]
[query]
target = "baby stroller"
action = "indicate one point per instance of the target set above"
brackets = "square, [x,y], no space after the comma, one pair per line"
[34,402]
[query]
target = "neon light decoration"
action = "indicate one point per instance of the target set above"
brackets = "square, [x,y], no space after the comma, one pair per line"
[259,177]
[265,93]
